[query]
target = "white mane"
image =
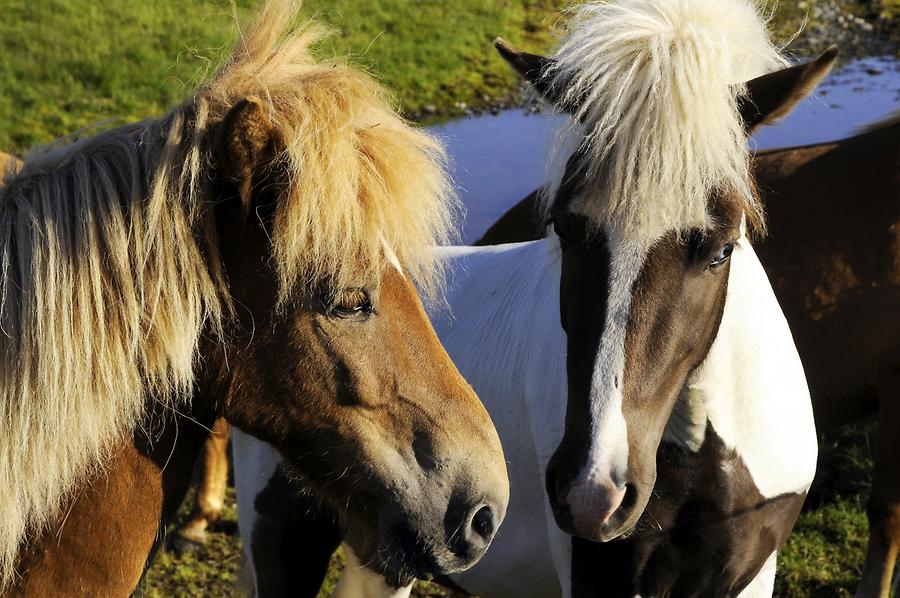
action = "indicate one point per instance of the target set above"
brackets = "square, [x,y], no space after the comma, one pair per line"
[656,86]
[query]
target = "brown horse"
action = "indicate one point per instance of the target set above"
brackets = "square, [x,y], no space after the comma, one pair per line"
[833,256]
[252,254]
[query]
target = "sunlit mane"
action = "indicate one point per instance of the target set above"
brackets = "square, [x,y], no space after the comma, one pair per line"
[110,267]
[656,83]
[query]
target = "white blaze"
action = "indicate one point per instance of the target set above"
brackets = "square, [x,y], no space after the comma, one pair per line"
[608,456]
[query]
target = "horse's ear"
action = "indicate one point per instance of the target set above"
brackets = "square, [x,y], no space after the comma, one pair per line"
[772,97]
[245,145]
[536,69]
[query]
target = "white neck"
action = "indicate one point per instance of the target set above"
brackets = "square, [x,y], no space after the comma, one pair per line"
[751,387]
[509,310]
[509,344]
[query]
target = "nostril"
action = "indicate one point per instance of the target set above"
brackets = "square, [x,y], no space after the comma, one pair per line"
[470,528]
[483,522]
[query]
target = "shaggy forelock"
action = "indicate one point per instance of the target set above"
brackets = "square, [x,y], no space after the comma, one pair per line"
[109,269]
[364,177]
[656,85]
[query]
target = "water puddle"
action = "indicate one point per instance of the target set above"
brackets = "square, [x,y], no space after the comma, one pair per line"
[500,159]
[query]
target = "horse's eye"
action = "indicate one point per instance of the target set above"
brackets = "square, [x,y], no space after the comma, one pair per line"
[722,256]
[350,303]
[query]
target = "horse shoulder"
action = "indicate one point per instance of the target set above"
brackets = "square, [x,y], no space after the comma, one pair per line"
[749,390]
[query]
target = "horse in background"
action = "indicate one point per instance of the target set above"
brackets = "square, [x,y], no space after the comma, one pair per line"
[639,272]
[833,255]
[253,254]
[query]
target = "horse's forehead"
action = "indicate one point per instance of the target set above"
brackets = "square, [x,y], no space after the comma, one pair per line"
[578,193]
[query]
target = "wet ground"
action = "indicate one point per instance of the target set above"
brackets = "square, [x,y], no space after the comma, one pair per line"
[498,159]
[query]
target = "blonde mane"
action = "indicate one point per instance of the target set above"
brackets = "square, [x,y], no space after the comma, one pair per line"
[656,84]
[110,270]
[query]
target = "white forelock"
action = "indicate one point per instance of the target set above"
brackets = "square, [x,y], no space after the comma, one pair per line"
[655,87]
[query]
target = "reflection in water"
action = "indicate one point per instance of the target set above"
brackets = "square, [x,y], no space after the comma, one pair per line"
[499,159]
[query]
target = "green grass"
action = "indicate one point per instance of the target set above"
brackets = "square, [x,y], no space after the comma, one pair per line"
[70,63]
[824,555]
[438,53]
[213,569]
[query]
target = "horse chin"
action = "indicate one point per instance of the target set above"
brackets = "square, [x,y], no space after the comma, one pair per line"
[401,555]
[617,532]
[399,563]
[620,526]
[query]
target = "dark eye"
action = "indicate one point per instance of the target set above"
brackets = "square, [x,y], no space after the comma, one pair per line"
[350,303]
[722,256]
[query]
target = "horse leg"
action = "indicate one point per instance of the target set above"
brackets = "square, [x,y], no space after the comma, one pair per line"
[210,497]
[884,503]
[288,536]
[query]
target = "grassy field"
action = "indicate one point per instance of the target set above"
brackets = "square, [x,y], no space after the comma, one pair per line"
[824,555]
[70,63]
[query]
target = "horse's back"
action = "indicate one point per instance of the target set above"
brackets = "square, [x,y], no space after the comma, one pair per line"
[833,255]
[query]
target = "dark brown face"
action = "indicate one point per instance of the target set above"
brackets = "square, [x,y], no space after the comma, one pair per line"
[638,319]
[353,387]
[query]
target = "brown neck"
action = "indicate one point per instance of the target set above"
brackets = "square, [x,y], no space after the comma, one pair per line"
[108,533]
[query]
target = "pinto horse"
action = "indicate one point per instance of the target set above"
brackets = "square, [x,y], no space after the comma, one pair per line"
[839,295]
[252,254]
[662,359]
